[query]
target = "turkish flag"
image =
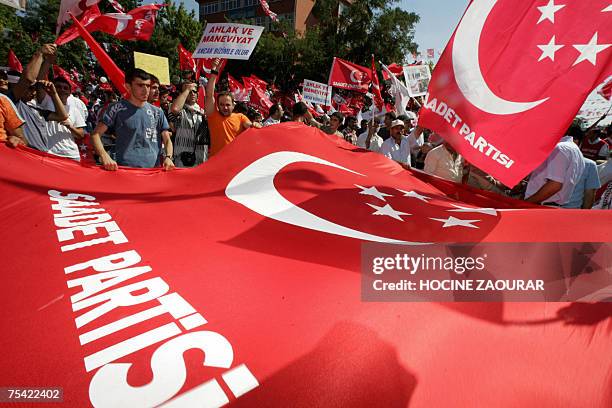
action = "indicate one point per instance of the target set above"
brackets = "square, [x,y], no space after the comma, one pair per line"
[266,8]
[240,93]
[347,75]
[137,24]
[396,69]
[252,295]
[186,61]
[431,53]
[260,101]
[513,77]
[13,61]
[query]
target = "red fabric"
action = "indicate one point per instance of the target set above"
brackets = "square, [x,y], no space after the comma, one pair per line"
[259,100]
[13,61]
[347,75]
[186,61]
[281,299]
[431,53]
[86,19]
[61,72]
[236,88]
[606,90]
[396,69]
[137,24]
[501,113]
[74,7]
[116,76]
[378,99]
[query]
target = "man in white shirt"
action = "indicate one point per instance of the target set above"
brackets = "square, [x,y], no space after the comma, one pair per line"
[397,147]
[370,139]
[276,113]
[444,161]
[553,182]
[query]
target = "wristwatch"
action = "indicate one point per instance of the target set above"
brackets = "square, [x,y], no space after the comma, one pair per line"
[168,157]
[214,72]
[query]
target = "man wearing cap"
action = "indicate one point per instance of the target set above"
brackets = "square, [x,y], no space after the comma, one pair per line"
[397,147]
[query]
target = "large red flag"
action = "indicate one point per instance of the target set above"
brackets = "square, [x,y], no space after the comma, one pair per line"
[240,92]
[513,77]
[351,76]
[116,76]
[13,61]
[186,61]
[261,306]
[137,24]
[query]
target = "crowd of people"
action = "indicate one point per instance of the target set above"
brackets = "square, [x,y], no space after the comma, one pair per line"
[156,126]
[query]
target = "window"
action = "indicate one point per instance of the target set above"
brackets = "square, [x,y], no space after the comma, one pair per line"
[211,8]
[248,3]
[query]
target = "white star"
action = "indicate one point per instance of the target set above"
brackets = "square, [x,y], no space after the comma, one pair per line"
[414,194]
[388,211]
[548,50]
[589,51]
[548,11]
[455,222]
[487,211]
[609,8]
[373,191]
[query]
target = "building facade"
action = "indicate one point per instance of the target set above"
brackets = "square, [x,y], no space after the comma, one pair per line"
[297,12]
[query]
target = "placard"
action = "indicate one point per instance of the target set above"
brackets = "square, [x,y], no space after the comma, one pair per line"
[317,92]
[228,40]
[417,79]
[154,65]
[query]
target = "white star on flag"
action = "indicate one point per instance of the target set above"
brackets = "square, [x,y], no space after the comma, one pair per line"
[548,11]
[455,222]
[414,194]
[589,51]
[548,50]
[388,211]
[609,8]
[373,191]
[486,211]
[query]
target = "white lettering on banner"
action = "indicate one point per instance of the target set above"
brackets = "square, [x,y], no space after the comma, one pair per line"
[479,143]
[228,40]
[75,219]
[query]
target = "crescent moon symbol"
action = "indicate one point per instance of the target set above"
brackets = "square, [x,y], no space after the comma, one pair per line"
[466,64]
[254,188]
[353,76]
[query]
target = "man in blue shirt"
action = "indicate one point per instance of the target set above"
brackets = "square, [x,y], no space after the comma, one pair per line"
[140,128]
[583,195]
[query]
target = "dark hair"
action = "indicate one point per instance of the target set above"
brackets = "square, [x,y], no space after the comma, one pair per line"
[575,131]
[404,118]
[136,73]
[241,107]
[154,79]
[62,80]
[390,115]
[300,109]
[3,75]
[225,93]
[274,108]
[338,116]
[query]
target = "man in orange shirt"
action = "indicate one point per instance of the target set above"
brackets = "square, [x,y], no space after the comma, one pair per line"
[224,125]
[10,123]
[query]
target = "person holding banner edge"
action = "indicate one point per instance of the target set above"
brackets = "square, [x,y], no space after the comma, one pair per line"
[224,125]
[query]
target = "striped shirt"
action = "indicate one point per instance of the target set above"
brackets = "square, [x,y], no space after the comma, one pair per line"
[186,123]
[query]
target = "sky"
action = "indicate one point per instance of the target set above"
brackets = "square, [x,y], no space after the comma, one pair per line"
[438,20]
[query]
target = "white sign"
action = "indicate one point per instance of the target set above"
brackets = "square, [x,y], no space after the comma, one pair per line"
[317,92]
[228,40]
[417,79]
[18,4]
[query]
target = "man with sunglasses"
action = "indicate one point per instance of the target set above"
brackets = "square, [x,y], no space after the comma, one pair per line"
[190,128]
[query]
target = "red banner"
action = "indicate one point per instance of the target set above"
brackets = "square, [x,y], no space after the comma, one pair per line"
[396,69]
[261,306]
[61,72]
[186,62]
[479,100]
[260,101]
[378,99]
[347,75]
